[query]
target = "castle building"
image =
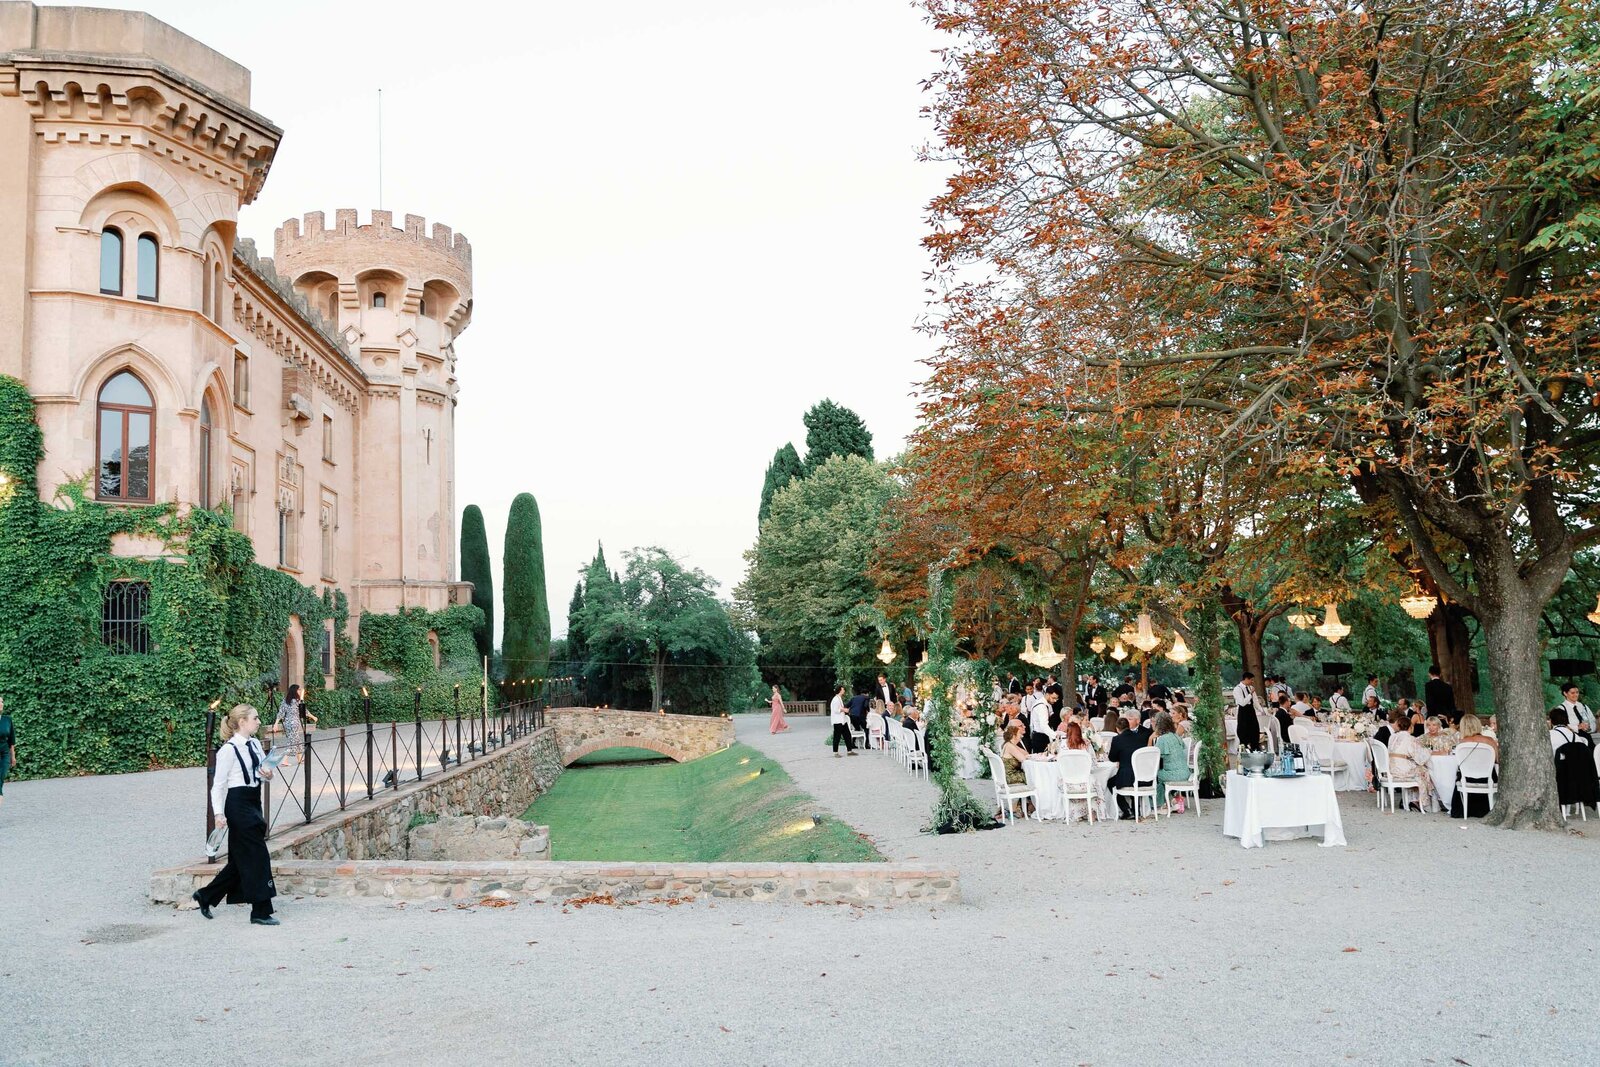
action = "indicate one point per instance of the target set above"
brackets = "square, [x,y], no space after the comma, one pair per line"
[314,391]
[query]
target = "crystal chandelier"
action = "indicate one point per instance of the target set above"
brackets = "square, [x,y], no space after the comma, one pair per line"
[1145,639]
[1594,616]
[1097,644]
[1300,620]
[1179,653]
[1029,656]
[1332,629]
[1047,656]
[885,654]
[1419,605]
[1119,653]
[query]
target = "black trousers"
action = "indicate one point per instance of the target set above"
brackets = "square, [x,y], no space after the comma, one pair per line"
[841,729]
[227,881]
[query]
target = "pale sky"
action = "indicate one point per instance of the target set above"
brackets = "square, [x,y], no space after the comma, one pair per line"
[689,222]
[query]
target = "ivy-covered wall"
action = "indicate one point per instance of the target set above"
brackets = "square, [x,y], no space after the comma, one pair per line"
[216,623]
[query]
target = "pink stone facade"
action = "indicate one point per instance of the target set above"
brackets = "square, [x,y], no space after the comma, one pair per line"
[315,394]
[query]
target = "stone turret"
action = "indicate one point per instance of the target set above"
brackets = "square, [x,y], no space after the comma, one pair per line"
[398,297]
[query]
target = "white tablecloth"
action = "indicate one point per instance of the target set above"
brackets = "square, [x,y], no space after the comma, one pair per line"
[968,761]
[1045,776]
[1442,767]
[1301,806]
[1356,757]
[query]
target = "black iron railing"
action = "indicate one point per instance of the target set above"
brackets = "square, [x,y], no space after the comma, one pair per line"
[337,767]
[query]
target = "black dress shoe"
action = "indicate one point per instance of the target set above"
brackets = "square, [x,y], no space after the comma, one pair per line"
[268,921]
[205,909]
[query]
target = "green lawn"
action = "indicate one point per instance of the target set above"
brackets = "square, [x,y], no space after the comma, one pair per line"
[734,805]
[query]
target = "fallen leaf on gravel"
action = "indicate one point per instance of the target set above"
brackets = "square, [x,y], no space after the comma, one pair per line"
[1228,881]
[1154,975]
[533,942]
[1349,949]
[1459,1060]
[201,1019]
[724,1029]
[282,968]
[401,974]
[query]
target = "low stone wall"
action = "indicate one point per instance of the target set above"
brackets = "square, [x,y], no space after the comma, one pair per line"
[827,883]
[504,782]
[680,737]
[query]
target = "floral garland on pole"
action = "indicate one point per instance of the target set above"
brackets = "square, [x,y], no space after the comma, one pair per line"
[956,810]
[1208,729]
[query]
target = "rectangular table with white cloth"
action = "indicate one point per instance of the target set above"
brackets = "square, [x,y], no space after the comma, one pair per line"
[968,761]
[1044,775]
[1261,809]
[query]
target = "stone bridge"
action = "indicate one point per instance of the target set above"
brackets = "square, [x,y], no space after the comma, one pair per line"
[580,731]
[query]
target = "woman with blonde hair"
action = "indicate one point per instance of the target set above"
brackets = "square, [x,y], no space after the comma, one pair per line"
[236,800]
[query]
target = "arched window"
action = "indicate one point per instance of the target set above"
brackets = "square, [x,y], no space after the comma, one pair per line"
[422,308]
[333,306]
[216,293]
[127,422]
[379,300]
[111,261]
[149,267]
[207,304]
[205,452]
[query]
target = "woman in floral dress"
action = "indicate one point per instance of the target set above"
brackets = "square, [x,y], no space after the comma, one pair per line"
[291,720]
[1408,760]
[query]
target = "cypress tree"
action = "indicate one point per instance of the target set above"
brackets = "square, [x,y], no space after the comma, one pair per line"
[577,645]
[834,430]
[525,645]
[475,569]
[784,467]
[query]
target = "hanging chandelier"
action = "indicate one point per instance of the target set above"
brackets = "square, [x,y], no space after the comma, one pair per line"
[1097,644]
[1179,653]
[1301,620]
[885,654]
[1419,605]
[1332,630]
[1029,656]
[1047,656]
[1594,616]
[1119,653]
[1145,638]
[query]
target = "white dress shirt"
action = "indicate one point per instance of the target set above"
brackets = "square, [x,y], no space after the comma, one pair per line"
[836,710]
[1561,735]
[1038,713]
[230,774]
[1243,695]
[1340,703]
[1369,691]
[1578,714]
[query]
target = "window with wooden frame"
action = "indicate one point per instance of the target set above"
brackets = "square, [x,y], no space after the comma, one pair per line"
[125,439]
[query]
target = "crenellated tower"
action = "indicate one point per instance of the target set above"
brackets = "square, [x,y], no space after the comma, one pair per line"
[399,296]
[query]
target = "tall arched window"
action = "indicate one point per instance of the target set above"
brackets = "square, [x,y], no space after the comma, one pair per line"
[207,304]
[379,300]
[127,422]
[205,453]
[217,287]
[149,267]
[111,261]
[333,306]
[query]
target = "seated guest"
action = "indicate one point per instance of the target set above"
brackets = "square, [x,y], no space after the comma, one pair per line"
[1180,720]
[1560,732]
[1493,729]
[1317,709]
[1283,715]
[1435,738]
[1174,761]
[1123,746]
[1112,723]
[1472,730]
[1381,734]
[1011,756]
[1408,760]
[875,726]
[1072,739]
[1141,726]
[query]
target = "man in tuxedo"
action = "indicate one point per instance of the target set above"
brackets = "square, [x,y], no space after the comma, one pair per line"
[1439,695]
[885,692]
[1281,713]
[858,711]
[1160,692]
[1095,696]
[1123,746]
[1125,689]
[1013,683]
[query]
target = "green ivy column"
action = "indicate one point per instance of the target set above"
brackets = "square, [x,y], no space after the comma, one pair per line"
[956,810]
[1208,728]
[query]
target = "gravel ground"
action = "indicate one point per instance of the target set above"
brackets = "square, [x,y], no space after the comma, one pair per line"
[1118,945]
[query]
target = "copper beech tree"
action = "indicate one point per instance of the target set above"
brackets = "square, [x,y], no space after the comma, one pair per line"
[1348,240]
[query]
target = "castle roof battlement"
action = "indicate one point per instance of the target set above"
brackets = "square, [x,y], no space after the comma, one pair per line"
[313,227]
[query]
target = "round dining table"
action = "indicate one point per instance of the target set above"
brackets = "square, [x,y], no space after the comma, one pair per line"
[1044,776]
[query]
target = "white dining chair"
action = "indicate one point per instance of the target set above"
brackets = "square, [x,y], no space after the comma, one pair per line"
[916,750]
[1386,784]
[1477,761]
[1146,762]
[1005,793]
[1297,734]
[1192,784]
[1077,783]
[1327,756]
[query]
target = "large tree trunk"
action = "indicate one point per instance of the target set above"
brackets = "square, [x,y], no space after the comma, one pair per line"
[1527,794]
[1451,645]
[657,669]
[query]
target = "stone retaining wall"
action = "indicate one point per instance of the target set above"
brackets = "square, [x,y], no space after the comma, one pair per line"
[828,883]
[504,782]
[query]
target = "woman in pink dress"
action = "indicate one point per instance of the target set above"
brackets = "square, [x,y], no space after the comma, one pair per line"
[779,723]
